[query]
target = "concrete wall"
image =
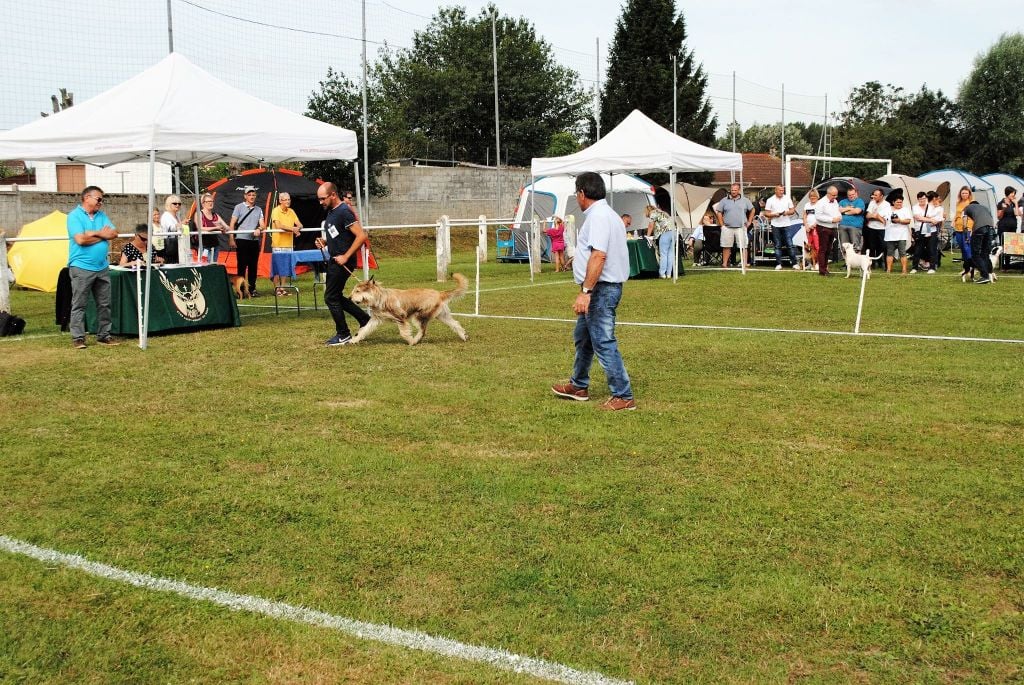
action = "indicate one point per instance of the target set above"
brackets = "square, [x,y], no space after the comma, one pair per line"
[18,208]
[420,194]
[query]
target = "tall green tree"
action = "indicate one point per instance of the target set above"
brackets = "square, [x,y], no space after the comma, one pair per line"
[337,100]
[639,76]
[766,138]
[438,95]
[992,104]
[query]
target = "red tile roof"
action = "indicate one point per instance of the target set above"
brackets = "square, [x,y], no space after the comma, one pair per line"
[762,170]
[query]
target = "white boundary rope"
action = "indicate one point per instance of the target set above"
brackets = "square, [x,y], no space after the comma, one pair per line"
[752,329]
[410,639]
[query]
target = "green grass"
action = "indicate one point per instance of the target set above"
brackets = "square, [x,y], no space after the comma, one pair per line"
[782,506]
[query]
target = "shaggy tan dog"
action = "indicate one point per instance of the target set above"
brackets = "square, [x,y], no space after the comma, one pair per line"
[406,307]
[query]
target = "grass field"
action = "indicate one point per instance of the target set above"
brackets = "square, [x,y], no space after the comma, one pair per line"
[783,507]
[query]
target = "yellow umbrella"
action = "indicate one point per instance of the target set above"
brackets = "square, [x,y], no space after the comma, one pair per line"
[37,264]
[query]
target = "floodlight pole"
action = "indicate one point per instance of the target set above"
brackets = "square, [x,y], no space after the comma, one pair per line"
[497,119]
[597,87]
[366,141]
[732,174]
[782,150]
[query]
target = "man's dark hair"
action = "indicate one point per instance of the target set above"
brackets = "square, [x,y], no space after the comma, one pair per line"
[625,215]
[922,194]
[92,189]
[932,195]
[141,228]
[591,184]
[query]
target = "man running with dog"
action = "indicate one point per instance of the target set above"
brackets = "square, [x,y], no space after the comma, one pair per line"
[601,267]
[343,236]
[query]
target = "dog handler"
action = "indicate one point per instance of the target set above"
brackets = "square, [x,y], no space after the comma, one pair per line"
[345,235]
[601,267]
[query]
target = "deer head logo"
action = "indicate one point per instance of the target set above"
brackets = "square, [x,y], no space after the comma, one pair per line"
[187,295]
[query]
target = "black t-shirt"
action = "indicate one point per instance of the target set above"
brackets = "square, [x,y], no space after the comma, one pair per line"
[1009,220]
[339,237]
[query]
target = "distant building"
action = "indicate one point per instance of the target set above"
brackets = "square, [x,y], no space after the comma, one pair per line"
[762,172]
[69,177]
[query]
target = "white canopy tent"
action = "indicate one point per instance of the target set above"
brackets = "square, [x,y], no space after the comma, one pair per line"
[639,145]
[156,116]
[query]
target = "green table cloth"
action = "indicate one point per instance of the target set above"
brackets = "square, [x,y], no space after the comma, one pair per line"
[183,298]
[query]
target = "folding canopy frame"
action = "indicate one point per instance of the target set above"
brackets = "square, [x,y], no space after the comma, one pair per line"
[639,145]
[153,116]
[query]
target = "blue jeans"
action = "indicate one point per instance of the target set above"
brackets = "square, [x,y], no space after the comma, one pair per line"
[782,239]
[963,241]
[595,333]
[665,243]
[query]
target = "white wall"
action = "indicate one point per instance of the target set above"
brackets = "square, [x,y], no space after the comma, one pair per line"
[136,178]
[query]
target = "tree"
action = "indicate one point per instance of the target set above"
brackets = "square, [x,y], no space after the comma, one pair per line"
[562,143]
[639,72]
[992,105]
[767,138]
[438,95]
[338,101]
[918,131]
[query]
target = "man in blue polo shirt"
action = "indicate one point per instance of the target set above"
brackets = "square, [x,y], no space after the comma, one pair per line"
[852,224]
[89,236]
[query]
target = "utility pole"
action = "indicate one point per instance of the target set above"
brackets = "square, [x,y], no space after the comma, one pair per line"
[675,97]
[782,153]
[366,140]
[597,87]
[497,119]
[170,29]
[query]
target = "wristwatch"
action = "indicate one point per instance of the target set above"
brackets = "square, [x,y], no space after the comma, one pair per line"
[585,290]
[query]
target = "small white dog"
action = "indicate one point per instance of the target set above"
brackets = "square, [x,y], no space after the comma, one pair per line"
[859,261]
[993,259]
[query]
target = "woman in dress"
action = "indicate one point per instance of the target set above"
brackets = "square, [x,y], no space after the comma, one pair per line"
[557,234]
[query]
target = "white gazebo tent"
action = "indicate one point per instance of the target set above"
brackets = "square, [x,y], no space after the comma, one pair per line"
[156,116]
[639,145]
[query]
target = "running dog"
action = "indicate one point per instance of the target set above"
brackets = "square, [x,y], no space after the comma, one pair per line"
[858,261]
[407,307]
[239,285]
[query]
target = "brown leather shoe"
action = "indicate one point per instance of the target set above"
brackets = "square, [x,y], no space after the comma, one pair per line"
[570,392]
[618,404]
[108,341]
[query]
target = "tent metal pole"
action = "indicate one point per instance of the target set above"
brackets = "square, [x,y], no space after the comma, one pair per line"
[675,229]
[144,328]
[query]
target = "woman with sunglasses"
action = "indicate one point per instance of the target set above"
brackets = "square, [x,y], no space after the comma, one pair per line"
[133,253]
[210,224]
[170,224]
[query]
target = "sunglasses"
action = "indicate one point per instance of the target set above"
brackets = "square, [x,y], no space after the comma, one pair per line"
[97,199]
[176,204]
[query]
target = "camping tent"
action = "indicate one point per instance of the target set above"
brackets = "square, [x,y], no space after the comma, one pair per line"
[692,202]
[154,116]
[912,185]
[227,192]
[639,145]
[36,265]
[983,191]
[1000,182]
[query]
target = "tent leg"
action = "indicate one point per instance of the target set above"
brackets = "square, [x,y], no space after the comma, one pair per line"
[144,324]
[675,229]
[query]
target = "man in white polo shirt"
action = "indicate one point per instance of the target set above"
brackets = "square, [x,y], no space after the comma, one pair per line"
[779,209]
[827,217]
[601,266]
[735,214]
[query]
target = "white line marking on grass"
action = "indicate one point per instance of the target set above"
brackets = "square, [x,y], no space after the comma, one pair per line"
[37,336]
[709,327]
[410,639]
